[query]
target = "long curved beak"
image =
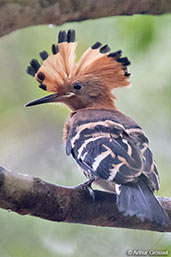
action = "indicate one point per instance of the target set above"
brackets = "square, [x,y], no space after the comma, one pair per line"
[43,100]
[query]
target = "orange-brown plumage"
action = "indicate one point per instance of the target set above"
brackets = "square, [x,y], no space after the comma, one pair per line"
[98,72]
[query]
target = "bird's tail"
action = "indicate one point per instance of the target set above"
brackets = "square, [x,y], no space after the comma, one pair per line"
[137,199]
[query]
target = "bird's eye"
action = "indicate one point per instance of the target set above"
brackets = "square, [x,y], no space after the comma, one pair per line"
[77,86]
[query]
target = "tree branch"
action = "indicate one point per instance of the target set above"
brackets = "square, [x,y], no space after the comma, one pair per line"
[15,14]
[25,194]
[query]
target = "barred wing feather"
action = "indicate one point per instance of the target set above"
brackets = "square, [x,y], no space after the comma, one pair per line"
[112,153]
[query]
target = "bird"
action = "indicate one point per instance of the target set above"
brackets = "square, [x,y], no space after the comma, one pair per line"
[111,149]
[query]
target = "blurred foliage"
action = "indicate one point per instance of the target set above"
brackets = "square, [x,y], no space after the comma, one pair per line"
[31,138]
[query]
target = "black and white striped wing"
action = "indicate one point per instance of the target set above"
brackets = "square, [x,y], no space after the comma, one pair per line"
[107,150]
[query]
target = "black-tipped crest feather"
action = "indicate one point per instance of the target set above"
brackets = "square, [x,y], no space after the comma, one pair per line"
[104,49]
[124,61]
[115,54]
[127,74]
[41,76]
[62,36]
[54,49]
[71,36]
[31,71]
[35,64]
[96,45]
[43,55]
[42,86]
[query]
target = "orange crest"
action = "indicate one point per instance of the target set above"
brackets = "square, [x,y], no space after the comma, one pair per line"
[60,67]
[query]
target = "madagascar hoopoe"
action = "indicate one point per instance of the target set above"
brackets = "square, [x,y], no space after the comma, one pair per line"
[111,148]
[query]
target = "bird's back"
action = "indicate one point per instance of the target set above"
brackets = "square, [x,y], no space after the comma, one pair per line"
[111,146]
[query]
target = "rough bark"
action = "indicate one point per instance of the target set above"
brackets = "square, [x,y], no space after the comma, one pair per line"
[15,14]
[25,194]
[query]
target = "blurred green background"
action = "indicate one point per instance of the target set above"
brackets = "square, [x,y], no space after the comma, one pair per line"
[31,138]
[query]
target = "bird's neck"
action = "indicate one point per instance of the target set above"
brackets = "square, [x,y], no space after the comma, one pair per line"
[103,104]
[107,105]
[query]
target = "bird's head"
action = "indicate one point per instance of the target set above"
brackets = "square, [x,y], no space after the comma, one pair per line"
[86,84]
